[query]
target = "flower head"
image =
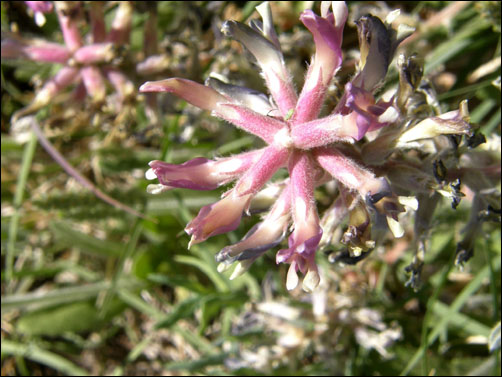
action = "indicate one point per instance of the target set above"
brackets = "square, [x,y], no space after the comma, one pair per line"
[313,149]
[86,65]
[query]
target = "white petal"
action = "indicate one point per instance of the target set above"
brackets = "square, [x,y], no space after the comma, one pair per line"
[292,278]
[311,281]
[157,189]
[396,228]
[150,174]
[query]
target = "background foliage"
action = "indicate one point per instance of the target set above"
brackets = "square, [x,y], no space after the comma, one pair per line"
[90,289]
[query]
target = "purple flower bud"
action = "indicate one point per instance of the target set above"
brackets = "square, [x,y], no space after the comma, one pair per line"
[97,18]
[94,82]
[95,53]
[69,14]
[121,24]
[35,50]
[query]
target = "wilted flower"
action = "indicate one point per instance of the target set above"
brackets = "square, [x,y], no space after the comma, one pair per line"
[352,145]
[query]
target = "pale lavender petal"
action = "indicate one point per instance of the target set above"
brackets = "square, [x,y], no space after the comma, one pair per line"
[268,25]
[270,59]
[250,98]
[451,123]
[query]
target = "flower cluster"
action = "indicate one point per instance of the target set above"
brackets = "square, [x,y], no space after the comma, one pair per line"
[364,145]
[84,65]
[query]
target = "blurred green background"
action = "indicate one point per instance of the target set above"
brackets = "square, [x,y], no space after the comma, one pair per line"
[90,289]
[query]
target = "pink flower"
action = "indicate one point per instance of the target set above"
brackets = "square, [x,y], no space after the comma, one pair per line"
[90,64]
[310,148]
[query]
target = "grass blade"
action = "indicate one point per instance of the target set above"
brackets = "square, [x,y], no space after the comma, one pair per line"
[35,353]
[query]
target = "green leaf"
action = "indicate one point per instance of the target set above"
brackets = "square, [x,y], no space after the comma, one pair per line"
[71,237]
[76,317]
[34,300]
[183,310]
[40,355]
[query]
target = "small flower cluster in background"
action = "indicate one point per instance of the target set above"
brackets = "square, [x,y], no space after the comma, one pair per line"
[84,64]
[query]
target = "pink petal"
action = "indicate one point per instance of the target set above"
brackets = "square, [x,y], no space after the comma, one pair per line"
[328,58]
[97,21]
[220,217]
[351,174]
[69,15]
[152,65]
[95,53]
[123,86]
[201,173]
[270,161]
[35,50]
[260,125]
[319,132]
[307,233]
[370,116]
[61,80]
[94,82]
[121,24]
[264,235]
[40,6]
[197,94]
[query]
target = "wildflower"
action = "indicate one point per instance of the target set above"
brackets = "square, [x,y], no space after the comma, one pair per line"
[87,66]
[313,150]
